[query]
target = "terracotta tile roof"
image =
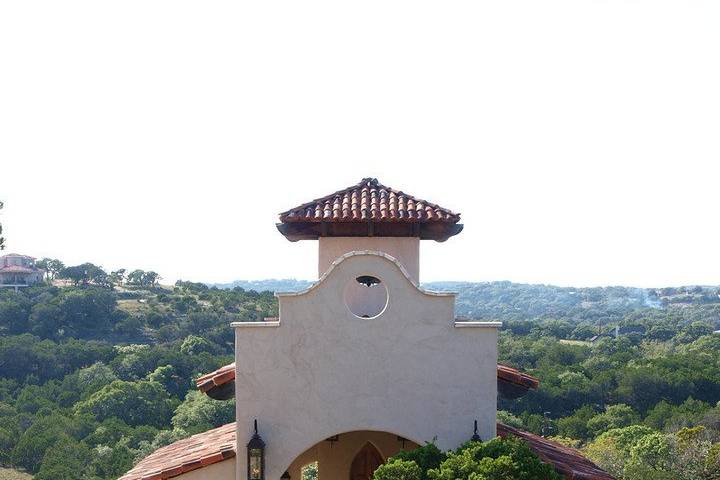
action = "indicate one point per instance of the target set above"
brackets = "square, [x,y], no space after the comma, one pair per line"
[223,375]
[369,200]
[186,455]
[18,269]
[217,378]
[219,444]
[17,255]
[568,461]
[512,375]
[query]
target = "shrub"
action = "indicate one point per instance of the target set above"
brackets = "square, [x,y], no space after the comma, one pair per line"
[397,469]
[497,459]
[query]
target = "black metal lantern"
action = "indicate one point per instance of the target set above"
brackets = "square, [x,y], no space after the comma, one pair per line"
[475,437]
[256,457]
[285,476]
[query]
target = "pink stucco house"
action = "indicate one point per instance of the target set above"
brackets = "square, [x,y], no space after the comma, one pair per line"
[19,271]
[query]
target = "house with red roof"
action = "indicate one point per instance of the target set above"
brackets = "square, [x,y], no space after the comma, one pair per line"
[360,366]
[18,271]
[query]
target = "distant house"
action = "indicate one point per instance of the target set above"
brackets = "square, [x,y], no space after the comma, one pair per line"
[19,271]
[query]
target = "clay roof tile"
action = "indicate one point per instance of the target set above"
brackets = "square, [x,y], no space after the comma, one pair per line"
[368,200]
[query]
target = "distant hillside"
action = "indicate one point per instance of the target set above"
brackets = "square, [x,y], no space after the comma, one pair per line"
[272,285]
[517,301]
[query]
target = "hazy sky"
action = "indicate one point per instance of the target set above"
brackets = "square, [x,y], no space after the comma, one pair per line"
[580,140]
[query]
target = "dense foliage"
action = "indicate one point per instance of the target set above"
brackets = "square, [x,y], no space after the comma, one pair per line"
[496,459]
[96,372]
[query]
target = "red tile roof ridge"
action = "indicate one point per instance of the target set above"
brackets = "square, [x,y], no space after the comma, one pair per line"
[186,455]
[216,378]
[379,202]
[19,269]
[515,376]
[226,374]
[568,461]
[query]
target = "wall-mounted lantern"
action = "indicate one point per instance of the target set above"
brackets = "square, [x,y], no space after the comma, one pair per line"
[285,476]
[256,457]
[476,437]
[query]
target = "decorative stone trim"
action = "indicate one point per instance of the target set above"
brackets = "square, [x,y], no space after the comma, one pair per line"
[275,323]
[466,324]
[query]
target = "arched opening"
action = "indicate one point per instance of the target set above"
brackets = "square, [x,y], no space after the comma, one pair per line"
[365,296]
[367,460]
[352,455]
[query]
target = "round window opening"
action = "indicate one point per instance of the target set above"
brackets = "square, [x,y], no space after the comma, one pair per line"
[366,296]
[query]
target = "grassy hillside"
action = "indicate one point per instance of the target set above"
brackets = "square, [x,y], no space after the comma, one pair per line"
[11,474]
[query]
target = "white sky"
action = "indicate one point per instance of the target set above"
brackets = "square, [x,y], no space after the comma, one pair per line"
[579,139]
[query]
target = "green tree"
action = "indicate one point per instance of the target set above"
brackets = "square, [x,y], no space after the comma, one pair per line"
[199,413]
[615,416]
[496,459]
[611,450]
[426,457]
[51,266]
[45,432]
[136,403]
[397,469]
[14,314]
[66,459]
[118,276]
[194,344]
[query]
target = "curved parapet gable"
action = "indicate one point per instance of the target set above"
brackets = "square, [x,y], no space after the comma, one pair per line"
[384,255]
[402,366]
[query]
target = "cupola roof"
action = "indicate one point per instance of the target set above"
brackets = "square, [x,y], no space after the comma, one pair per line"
[369,208]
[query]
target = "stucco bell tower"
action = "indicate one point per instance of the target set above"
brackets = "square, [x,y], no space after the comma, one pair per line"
[369,216]
[365,357]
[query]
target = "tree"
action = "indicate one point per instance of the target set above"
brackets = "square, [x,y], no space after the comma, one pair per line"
[136,403]
[199,413]
[86,273]
[712,464]
[496,459]
[427,457]
[118,276]
[194,344]
[55,266]
[51,266]
[615,416]
[65,460]
[151,278]
[45,432]
[396,469]
[611,450]
[135,278]
[76,274]
[14,314]
[141,278]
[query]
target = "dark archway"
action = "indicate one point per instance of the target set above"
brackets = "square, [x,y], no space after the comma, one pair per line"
[367,460]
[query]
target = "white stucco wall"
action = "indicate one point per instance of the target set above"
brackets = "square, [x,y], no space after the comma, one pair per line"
[321,371]
[405,249]
[224,470]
